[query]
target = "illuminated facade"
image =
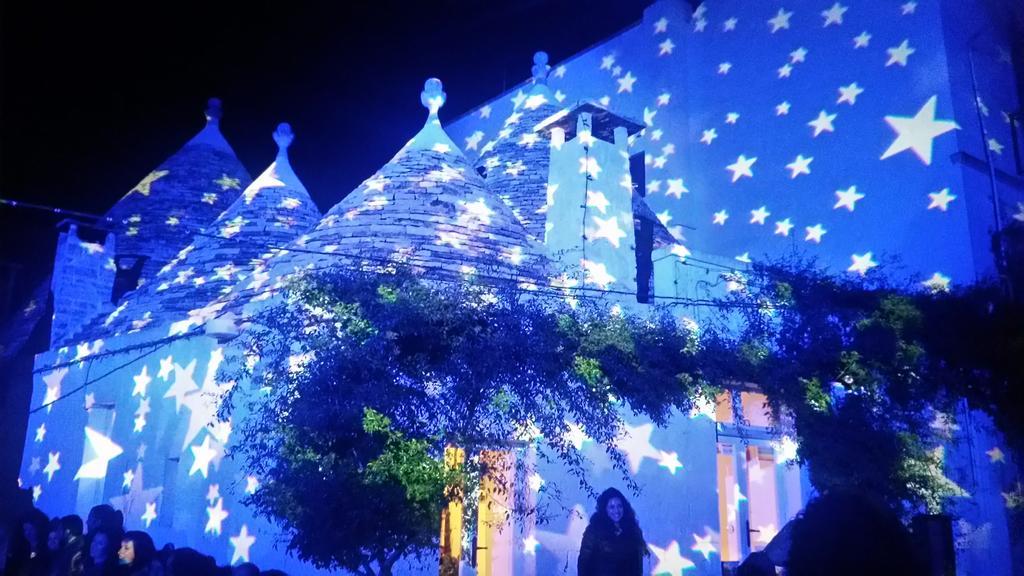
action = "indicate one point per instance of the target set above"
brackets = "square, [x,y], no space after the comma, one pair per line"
[649,168]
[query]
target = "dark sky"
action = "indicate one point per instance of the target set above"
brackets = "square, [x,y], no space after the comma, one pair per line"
[94,95]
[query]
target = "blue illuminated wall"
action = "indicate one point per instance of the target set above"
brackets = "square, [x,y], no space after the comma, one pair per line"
[849,131]
[853,129]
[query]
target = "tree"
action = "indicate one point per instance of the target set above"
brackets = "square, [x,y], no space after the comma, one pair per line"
[861,369]
[360,381]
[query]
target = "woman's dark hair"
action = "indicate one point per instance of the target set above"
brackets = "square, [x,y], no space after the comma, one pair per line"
[145,551]
[41,523]
[73,524]
[113,539]
[628,524]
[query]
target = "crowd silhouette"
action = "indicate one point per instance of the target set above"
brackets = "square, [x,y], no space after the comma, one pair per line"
[65,546]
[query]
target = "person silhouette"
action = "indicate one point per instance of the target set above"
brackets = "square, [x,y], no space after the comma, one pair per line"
[613,544]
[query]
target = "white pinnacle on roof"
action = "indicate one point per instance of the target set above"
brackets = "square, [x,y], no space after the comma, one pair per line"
[540,71]
[210,134]
[279,174]
[271,212]
[432,136]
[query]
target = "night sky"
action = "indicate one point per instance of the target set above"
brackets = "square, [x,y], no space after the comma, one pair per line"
[93,97]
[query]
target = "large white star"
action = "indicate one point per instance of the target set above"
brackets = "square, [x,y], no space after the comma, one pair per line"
[103,450]
[590,167]
[517,101]
[798,55]
[150,514]
[184,383]
[626,83]
[666,47]
[252,484]
[758,216]
[847,198]
[142,380]
[782,227]
[720,217]
[823,123]
[535,101]
[730,24]
[741,167]
[241,545]
[661,25]
[814,233]
[703,544]
[861,263]
[607,229]
[670,461]
[215,517]
[937,283]
[530,544]
[203,455]
[597,273]
[899,54]
[52,465]
[473,140]
[228,183]
[940,200]
[669,560]
[676,188]
[918,132]
[597,200]
[799,166]
[204,402]
[708,136]
[166,367]
[834,15]
[849,93]
[780,21]
[635,442]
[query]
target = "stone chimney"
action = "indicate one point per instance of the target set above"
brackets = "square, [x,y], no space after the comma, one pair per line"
[589,231]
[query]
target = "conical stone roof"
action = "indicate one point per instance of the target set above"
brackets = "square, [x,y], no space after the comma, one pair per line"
[516,162]
[427,209]
[158,217]
[271,213]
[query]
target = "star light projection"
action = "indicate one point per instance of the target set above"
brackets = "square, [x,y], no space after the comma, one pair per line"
[101,450]
[818,140]
[874,111]
[109,445]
